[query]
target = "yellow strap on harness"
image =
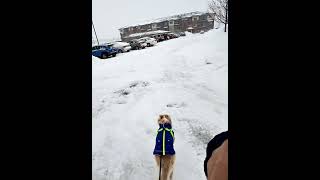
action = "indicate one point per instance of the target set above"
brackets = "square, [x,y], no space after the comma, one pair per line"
[164,143]
[170,130]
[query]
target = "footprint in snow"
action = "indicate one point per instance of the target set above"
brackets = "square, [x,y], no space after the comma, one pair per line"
[177,105]
[128,90]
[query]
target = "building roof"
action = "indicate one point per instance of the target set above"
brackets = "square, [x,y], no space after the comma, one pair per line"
[174,17]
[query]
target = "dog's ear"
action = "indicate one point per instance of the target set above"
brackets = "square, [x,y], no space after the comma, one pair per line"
[167,117]
[159,119]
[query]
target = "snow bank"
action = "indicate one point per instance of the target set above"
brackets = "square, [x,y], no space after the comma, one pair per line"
[185,77]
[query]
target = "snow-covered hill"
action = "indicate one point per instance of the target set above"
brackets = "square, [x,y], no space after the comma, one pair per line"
[186,78]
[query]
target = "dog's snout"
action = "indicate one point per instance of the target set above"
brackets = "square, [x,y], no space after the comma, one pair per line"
[164,118]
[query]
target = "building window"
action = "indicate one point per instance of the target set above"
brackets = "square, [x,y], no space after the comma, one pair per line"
[195,18]
[209,18]
[171,22]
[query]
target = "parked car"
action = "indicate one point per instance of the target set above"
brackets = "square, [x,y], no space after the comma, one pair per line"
[150,41]
[103,51]
[182,34]
[166,36]
[143,43]
[155,37]
[121,46]
[111,46]
[138,44]
[202,32]
[172,35]
[158,37]
[135,44]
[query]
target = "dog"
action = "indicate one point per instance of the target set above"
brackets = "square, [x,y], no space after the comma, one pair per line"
[165,151]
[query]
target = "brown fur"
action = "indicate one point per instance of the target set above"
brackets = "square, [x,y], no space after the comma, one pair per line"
[164,118]
[167,164]
[167,161]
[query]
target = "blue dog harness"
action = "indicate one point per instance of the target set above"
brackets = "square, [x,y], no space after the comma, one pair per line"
[164,140]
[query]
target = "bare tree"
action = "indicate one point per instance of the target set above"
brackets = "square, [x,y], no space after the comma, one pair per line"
[219,11]
[95,32]
[93,41]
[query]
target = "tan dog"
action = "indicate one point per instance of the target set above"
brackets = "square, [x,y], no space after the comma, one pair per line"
[167,161]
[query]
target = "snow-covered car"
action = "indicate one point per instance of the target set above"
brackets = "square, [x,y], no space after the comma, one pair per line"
[158,37]
[142,43]
[121,46]
[136,44]
[173,35]
[182,34]
[150,41]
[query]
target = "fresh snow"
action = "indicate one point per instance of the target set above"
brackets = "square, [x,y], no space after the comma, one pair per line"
[186,78]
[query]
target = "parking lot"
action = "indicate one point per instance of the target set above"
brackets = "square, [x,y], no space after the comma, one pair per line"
[112,49]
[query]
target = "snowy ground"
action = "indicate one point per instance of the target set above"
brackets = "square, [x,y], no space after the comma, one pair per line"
[186,78]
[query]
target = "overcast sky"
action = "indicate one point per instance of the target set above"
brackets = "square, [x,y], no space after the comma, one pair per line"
[109,15]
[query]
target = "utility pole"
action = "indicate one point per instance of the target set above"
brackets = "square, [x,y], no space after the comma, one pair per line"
[95,32]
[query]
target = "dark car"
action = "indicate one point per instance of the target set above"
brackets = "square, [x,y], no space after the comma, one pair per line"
[103,51]
[173,35]
[136,44]
[166,36]
[182,34]
[158,37]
